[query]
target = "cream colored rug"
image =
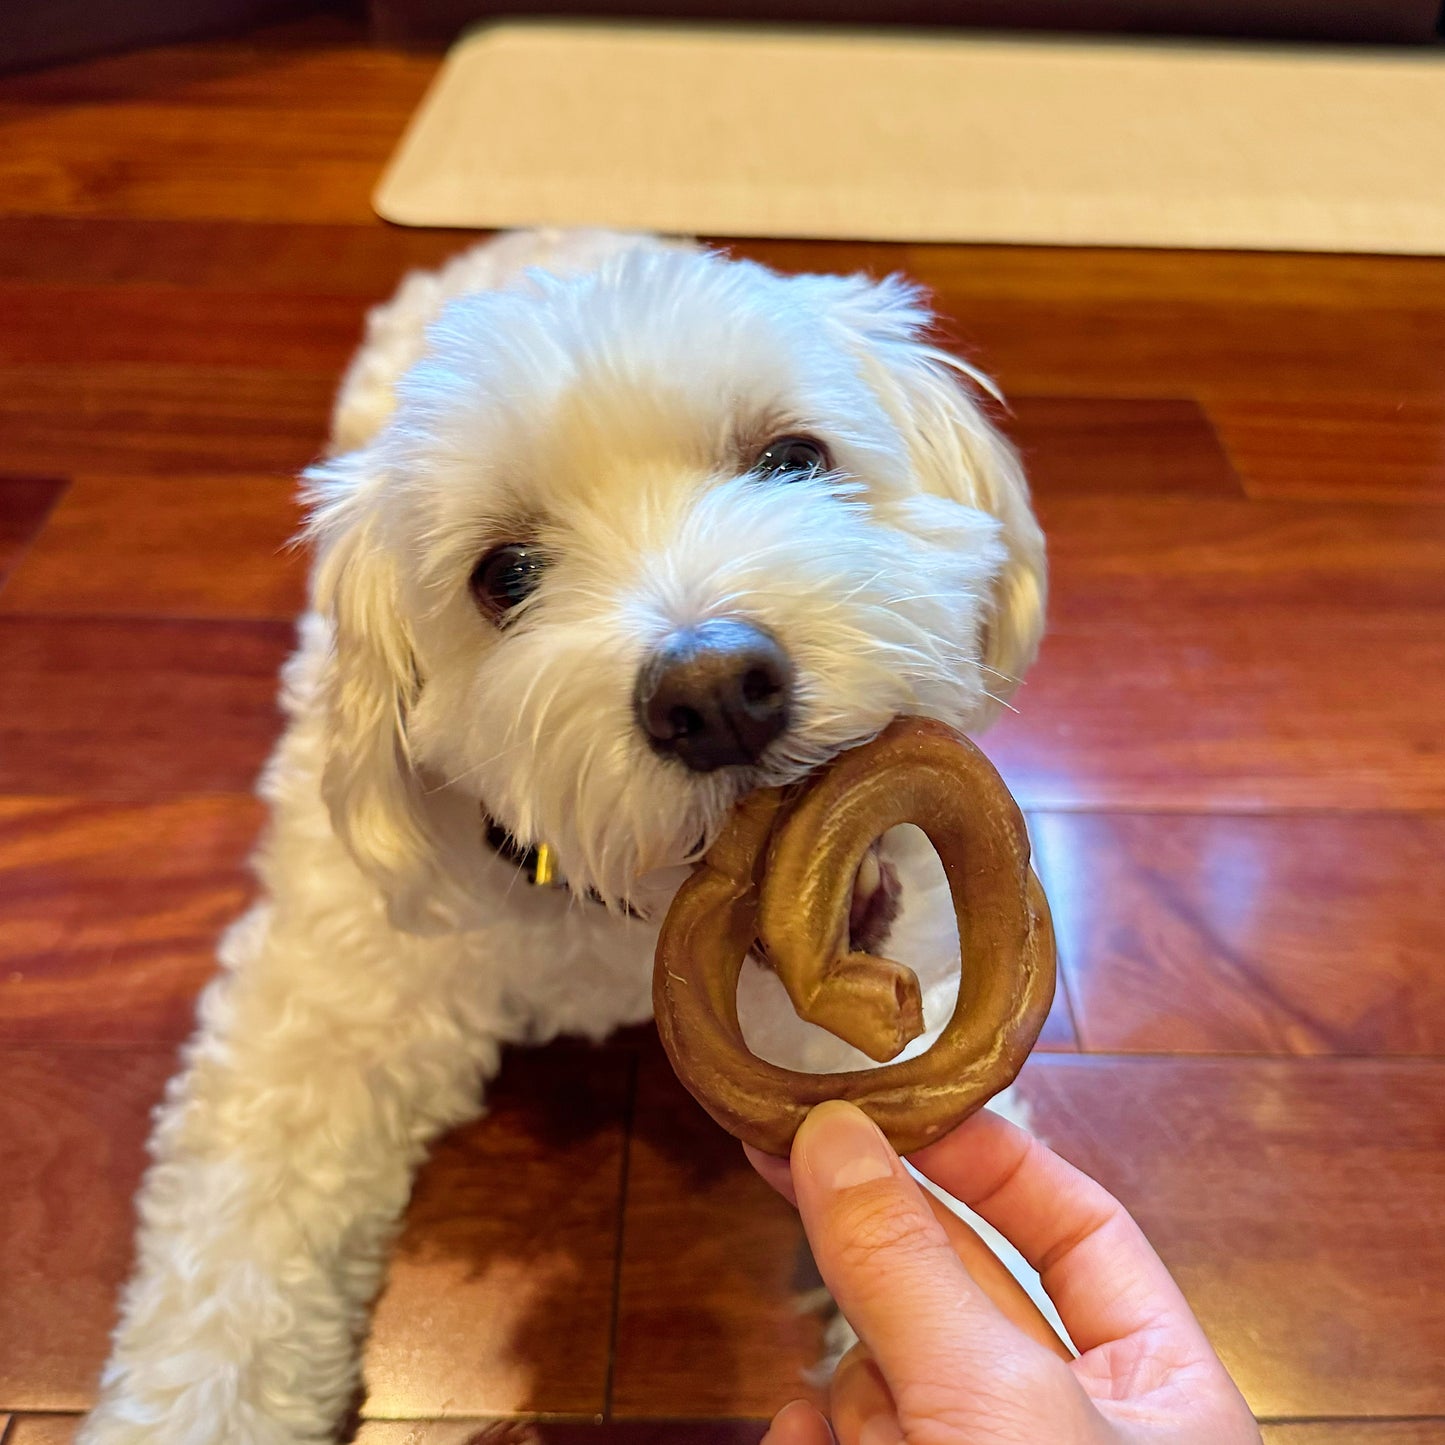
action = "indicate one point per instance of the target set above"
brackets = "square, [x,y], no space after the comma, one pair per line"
[911,137]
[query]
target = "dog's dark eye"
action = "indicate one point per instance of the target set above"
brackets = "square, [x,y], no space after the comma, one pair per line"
[507,575]
[791,457]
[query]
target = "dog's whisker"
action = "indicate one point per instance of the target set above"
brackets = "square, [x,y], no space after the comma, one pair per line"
[1003,676]
[544,711]
[899,599]
[475,768]
[867,584]
[525,701]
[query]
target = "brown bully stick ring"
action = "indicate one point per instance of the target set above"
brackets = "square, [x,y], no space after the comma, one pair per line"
[780,877]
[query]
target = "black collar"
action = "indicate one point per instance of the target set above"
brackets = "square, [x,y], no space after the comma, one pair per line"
[535,862]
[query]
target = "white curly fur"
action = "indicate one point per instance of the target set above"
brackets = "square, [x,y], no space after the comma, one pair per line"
[597,393]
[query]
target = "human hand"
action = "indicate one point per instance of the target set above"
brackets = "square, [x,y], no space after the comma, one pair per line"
[951,1350]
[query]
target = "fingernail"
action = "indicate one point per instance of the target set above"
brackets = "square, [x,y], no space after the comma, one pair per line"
[793,1407]
[842,1147]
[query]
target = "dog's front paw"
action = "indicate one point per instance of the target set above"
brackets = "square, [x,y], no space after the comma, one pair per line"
[201,1414]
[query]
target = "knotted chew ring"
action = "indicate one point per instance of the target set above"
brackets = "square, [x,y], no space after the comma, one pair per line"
[779,878]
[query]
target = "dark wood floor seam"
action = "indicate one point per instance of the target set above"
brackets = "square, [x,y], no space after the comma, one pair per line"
[624,1171]
[262,622]
[530,1417]
[1351,1419]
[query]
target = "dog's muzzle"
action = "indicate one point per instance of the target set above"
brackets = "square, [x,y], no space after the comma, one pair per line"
[715,695]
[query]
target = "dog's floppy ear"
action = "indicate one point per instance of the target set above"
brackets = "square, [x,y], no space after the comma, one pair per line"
[956,451]
[368,686]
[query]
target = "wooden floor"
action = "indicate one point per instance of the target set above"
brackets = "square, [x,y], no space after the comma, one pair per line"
[1232,752]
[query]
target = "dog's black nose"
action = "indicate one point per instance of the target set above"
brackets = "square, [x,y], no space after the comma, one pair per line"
[715,695]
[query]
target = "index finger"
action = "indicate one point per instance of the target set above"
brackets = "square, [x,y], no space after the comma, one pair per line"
[1097,1266]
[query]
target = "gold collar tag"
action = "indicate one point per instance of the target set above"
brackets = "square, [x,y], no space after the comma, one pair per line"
[544,869]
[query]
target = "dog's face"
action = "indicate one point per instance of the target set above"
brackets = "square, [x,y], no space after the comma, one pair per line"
[637,542]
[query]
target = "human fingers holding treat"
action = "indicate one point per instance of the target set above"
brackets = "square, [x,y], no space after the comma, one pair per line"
[945,1356]
[952,1348]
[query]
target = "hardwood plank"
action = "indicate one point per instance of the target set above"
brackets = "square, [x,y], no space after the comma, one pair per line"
[1356,1432]
[439,1432]
[1253,712]
[60,1430]
[209,130]
[556,1432]
[1209,655]
[1309,935]
[24,504]
[713,1265]
[112,913]
[363,260]
[173,546]
[75,324]
[239,66]
[72,1126]
[1299,1203]
[137,708]
[43,1430]
[1170,324]
[499,1293]
[1091,446]
[1381,449]
[129,417]
[1207,549]
[1124,277]
[1175,348]
[1059,1035]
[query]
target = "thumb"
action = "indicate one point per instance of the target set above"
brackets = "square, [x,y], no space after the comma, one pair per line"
[890,1266]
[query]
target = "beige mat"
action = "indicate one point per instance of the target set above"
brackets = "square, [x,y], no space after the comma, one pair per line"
[928,138]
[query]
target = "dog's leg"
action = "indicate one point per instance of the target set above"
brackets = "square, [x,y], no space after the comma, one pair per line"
[283,1156]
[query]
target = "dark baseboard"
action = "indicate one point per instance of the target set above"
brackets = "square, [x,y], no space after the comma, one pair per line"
[1395,22]
[41,32]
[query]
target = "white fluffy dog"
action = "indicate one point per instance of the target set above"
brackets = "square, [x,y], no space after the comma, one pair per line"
[613,530]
